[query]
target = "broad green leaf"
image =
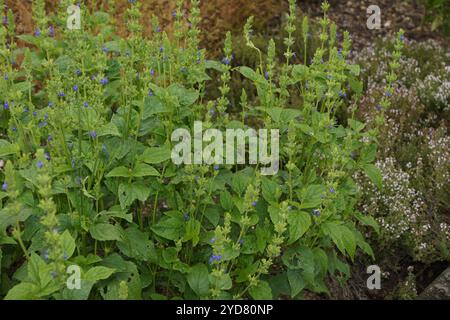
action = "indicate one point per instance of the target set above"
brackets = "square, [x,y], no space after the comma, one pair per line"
[120,172]
[186,97]
[198,279]
[296,282]
[250,74]
[7,148]
[171,227]
[311,197]
[271,191]
[348,238]
[106,232]
[262,291]
[23,291]
[356,125]
[129,192]
[156,155]
[226,200]
[144,170]
[192,231]
[374,175]
[109,129]
[136,244]
[221,282]
[300,72]
[68,244]
[98,273]
[368,154]
[333,230]
[368,221]
[299,222]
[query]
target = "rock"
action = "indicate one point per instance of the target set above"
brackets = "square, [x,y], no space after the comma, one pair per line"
[439,289]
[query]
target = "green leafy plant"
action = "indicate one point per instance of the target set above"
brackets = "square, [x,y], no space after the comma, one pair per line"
[89,181]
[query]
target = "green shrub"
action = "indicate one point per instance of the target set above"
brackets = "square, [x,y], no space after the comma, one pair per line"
[88,179]
[438,13]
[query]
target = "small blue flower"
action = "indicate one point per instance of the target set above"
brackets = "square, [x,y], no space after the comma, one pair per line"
[332,190]
[150,93]
[51,31]
[104,81]
[241,242]
[40,164]
[161,49]
[316,212]
[216,167]
[254,203]
[5,21]
[6,105]
[388,94]
[78,72]
[93,134]
[105,49]
[65,256]
[86,104]
[226,61]
[50,104]
[47,157]
[61,94]
[35,113]
[174,14]
[379,108]
[5,77]
[212,240]
[37,33]
[42,124]
[158,29]
[4,186]
[266,75]
[215,258]
[186,217]
[402,38]
[152,72]
[49,138]
[75,88]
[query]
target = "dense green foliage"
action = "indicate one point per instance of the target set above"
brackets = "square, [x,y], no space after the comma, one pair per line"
[88,179]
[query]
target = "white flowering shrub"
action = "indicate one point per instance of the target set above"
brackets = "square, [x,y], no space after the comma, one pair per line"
[414,155]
